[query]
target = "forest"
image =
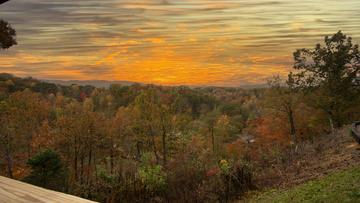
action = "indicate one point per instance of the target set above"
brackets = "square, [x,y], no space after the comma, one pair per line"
[151,143]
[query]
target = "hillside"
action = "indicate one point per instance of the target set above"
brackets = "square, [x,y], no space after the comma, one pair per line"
[148,143]
[326,169]
[343,186]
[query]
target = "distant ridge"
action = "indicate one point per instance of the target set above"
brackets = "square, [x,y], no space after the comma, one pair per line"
[95,83]
[107,83]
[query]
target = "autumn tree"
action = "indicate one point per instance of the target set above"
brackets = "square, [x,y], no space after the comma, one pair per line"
[7,138]
[69,130]
[330,71]
[22,114]
[101,136]
[282,98]
[123,142]
[146,108]
[123,95]
[211,120]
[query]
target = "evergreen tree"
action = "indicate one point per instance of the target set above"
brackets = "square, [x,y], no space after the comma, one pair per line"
[47,170]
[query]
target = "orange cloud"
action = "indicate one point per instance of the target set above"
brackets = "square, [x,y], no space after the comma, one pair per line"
[195,42]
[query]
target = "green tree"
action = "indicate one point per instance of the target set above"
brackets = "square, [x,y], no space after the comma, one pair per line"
[151,175]
[332,72]
[47,170]
[7,35]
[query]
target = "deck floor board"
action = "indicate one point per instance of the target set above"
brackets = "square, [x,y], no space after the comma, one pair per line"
[12,191]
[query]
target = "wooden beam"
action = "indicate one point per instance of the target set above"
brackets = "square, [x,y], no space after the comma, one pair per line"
[12,191]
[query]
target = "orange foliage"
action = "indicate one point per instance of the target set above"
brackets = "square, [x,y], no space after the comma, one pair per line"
[43,139]
[236,148]
[268,130]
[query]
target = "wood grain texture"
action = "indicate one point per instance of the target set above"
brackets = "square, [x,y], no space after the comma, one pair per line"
[12,191]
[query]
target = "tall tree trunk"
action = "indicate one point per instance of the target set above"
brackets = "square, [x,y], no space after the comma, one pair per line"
[164,145]
[338,120]
[82,157]
[112,159]
[76,162]
[212,138]
[292,126]
[153,143]
[29,140]
[331,124]
[29,148]
[89,165]
[7,156]
[9,161]
[88,178]
[138,150]
[95,167]
[334,119]
[154,148]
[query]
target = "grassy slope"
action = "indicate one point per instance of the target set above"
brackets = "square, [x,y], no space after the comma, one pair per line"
[341,186]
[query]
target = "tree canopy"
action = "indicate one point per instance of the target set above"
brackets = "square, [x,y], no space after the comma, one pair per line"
[332,70]
[7,35]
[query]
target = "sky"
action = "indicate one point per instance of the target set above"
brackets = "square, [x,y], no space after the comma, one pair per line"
[169,42]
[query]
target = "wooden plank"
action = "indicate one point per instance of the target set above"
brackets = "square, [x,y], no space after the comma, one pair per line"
[12,191]
[355,131]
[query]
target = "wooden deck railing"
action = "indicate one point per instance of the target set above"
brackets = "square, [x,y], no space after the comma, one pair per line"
[12,191]
[355,131]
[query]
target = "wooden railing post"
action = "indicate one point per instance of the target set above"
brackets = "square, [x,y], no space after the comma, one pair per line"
[355,131]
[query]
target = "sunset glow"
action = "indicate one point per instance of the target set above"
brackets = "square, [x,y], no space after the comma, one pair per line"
[169,42]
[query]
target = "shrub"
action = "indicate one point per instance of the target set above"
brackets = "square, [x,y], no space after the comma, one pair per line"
[47,170]
[152,175]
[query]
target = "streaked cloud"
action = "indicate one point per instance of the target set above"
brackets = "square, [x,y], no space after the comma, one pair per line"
[207,42]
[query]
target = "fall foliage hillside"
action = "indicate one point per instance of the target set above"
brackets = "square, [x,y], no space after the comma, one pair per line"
[152,143]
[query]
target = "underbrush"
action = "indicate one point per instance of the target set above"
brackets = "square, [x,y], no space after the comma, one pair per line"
[190,182]
[341,186]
